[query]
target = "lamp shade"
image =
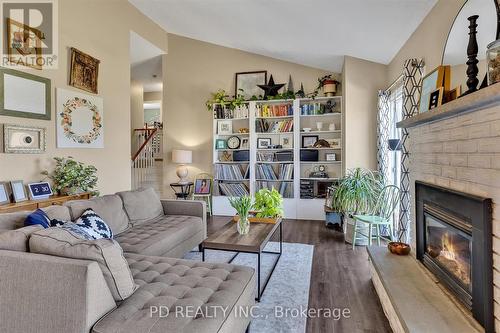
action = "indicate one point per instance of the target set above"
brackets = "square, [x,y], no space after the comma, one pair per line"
[182,156]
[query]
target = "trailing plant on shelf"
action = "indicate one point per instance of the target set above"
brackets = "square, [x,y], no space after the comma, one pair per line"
[71,176]
[322,81]
[222,98]
[268,203]
[242,205]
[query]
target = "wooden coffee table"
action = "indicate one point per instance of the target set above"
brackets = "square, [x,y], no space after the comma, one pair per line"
[228,239]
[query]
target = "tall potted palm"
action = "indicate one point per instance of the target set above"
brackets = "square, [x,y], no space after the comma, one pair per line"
[356,193]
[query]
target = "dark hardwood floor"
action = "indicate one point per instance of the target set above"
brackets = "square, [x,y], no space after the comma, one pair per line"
[340,278]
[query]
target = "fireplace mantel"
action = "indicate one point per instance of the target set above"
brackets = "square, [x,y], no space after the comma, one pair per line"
[479,100]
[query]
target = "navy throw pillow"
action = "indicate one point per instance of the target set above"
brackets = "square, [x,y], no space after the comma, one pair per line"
[37,217]
[94,225]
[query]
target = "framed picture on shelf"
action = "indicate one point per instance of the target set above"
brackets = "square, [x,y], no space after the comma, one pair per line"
[203,186]
[436,98]
[18,190]
[246,83]
[24,95]
[224,127]
[453,94]
[286,140]
[263,143]
[439,77]
[244,143]
[220,144]
[331,157]
[309,140]
[335,143]
[4,194]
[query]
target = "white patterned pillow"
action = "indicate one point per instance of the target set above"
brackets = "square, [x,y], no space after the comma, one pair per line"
[94,225]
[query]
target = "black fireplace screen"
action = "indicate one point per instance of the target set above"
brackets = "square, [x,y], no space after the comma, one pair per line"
[450,248]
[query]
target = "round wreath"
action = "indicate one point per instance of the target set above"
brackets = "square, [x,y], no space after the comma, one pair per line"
[66,121]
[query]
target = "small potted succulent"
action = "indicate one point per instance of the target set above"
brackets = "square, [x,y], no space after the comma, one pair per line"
[242,205]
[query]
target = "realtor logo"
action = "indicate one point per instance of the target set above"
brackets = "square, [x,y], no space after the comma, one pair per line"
[29,33]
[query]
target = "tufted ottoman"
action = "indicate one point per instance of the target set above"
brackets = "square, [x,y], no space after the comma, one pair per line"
[177,295]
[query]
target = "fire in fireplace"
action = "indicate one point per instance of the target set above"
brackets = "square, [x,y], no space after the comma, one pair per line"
[454,242]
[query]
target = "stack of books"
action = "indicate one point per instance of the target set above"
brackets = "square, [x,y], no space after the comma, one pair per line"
[274,110]
[282,126]
[286,171]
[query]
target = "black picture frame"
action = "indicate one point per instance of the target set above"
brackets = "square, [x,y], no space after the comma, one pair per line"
[249,93]
[267,141]
[308,137]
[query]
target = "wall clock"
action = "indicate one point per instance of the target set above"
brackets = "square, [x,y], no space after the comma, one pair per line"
[233,142]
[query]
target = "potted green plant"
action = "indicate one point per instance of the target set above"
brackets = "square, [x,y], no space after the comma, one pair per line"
[219,97]
[268,205]
[356,193]
[242,205]
[72,177]
[328,84]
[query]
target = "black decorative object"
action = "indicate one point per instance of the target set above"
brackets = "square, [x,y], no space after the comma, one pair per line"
[472,49]
[301,93]
[289,87]
[270,89]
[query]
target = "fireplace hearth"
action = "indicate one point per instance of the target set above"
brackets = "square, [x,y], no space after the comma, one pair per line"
[453,235]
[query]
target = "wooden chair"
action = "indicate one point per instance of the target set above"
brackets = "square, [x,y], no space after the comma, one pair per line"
[380,216]
[204,197]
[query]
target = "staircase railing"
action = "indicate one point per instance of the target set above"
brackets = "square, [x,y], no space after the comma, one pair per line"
[144,157]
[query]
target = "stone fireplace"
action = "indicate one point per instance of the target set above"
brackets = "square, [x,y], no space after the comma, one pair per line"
[453,238]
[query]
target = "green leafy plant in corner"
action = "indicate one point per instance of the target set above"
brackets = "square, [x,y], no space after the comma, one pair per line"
[71,176]
[357,192]
[268,203]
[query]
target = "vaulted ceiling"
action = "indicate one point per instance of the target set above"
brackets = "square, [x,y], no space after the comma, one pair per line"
[316,33]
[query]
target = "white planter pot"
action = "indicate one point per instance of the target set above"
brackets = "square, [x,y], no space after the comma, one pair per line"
[349,230]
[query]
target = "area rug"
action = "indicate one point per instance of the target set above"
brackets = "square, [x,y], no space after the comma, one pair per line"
[287,291]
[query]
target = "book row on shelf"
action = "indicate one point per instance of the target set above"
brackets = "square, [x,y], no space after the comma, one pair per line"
[285,188]
[281,126]
[274,110]
[266,171]
[221,112]
[231,189]
[318,108]
[232,171]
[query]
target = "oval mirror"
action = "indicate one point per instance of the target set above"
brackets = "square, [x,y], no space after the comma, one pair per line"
[455,50]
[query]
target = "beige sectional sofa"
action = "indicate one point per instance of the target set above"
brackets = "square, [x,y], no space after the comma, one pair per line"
[48,293]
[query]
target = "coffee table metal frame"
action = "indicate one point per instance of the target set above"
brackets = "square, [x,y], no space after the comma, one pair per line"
[259,255]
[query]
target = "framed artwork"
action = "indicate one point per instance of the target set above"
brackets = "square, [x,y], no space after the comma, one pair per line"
[331,157]
[24,95]
[454,93]
[244,143]
[224,127]
[220,144]
[4,194]
[334,143]
[80,120]
[84,71]
[309,140]
[263,143]
[23,139]
[286,141]
[40,190]
[24,44]
[203,186]
[436,98]
[18,191]
[246,83]
[439,77]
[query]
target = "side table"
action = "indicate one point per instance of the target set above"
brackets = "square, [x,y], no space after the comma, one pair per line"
[182,191]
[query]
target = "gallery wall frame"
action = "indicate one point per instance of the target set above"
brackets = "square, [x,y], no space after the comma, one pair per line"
[24,95]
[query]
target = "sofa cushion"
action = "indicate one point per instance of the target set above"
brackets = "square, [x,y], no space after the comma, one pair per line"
[38,217]
[158,236]
[17,240]
[106,252]
[10,221]
[109,207]
[94,225]
[141,205]
[180,284]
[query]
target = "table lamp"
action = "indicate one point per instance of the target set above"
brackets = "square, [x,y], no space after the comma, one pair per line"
[182,157]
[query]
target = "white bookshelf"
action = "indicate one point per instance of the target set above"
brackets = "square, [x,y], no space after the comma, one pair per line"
[294,205]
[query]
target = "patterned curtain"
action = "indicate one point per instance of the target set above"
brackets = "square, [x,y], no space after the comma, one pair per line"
[413,72]
[383,135]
